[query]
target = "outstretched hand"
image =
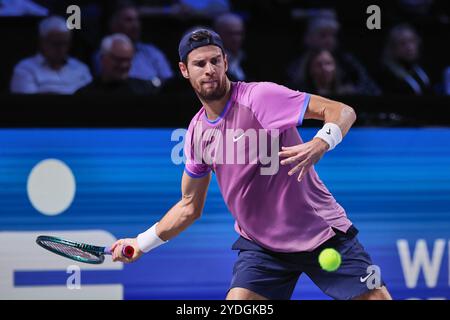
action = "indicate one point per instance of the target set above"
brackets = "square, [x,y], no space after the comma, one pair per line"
[303,155]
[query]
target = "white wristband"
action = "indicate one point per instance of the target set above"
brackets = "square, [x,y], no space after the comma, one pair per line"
[149,240]
[331,134]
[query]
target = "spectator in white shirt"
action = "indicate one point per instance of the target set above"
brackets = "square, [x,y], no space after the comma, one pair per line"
[149,62]
[16,8]
[51,70]
[447,81]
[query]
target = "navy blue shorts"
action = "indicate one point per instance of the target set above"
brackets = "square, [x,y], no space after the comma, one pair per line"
[274,275]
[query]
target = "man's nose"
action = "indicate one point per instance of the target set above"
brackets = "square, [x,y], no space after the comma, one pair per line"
[210,68]
[124,63]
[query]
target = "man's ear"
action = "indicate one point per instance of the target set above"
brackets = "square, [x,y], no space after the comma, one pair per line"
[183,69]
[225,61]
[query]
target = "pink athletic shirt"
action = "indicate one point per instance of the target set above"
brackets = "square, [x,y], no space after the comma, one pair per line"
[274,210]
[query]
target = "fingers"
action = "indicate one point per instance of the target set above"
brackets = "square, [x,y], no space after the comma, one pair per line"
[296,168]
[288,153]
[114,245]
[303,167]
[301,157]
[114,255]
[292,155]
[302,174]
[296,152]
[295,158]
[117,249]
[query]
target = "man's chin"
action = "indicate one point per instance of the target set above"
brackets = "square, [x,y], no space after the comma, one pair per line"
[212,96]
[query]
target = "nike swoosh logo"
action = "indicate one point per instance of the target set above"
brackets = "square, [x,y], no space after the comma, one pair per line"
[237,138]
[329,131]
[366,277]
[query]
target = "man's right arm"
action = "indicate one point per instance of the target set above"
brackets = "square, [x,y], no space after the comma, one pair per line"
[23,81]
[187,210]
[177,219]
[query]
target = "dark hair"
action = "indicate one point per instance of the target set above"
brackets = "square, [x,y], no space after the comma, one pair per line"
[119,6]
[301,76]
[393,37]
[196,38]
[200,36]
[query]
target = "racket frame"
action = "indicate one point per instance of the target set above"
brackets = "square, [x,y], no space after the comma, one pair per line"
[97,251]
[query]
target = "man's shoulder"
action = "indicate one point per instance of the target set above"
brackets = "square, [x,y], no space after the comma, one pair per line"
[136,80]
[139,86]
[91,88]
[28,63]
[196,118]
[245,86]
[148,48]
[75,63]
[247,92]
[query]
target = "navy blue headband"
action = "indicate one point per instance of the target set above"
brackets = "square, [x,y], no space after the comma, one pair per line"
[196,39]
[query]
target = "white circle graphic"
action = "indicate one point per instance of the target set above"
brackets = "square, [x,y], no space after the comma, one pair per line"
[51,187]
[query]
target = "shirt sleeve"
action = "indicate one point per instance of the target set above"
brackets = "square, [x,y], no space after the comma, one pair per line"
[23,81]
[278,107]
[195,167]
[86,76]
[163,66]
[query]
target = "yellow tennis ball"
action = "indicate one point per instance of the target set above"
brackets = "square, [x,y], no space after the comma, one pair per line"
[329,259]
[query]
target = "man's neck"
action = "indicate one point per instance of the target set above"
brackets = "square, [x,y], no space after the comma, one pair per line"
[215,108]
[55,65]
[107,79]
[323,85]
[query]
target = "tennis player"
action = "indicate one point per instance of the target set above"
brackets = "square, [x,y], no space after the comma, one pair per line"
[286,216]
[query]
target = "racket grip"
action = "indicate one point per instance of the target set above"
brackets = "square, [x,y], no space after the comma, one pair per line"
[127,251]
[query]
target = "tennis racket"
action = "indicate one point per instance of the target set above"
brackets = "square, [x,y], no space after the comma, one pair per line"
[77,251]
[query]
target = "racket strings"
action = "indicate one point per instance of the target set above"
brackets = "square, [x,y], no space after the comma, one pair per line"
[69,250]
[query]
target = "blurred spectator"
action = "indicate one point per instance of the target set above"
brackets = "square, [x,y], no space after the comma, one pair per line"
[205,8]
[416,7]
[231,29]
[51,70]
[423,11]
[401,72]
[116,54]
[321,74]
[322,33]
[17,8]
[186,9]
[447,81]
[149,63]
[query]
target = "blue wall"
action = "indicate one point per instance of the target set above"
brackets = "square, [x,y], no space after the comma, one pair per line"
[394,184]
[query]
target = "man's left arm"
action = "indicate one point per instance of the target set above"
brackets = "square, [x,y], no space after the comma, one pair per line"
[338,119]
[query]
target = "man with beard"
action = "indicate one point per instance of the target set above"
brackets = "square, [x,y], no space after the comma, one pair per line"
[284,223]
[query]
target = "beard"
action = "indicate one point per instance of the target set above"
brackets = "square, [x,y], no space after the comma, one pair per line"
[213,94]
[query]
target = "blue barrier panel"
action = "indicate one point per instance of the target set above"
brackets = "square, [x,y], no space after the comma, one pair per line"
[393,183]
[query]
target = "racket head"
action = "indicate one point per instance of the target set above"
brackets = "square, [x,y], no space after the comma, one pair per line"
[73,250]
